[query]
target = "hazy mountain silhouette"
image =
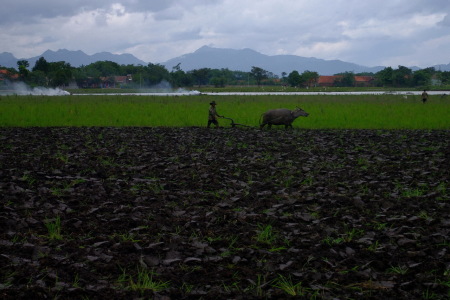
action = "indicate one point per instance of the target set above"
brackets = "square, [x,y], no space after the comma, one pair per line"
[213,58]
[75,58]
[245,59]
[8,60]
[442,67]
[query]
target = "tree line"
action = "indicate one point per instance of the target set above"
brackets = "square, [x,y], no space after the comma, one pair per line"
[54,74]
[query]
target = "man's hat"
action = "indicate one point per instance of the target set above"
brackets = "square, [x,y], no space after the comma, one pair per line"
[213,103]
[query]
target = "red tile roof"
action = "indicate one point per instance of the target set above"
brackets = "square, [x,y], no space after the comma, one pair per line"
[7,73]
[363,78]
[327,79]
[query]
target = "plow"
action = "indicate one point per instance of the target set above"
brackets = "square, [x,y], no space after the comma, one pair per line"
[234,124]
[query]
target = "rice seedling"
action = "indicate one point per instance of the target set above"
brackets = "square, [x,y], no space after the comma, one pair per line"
[413,192]
[429,294]
[7,279]
[351,234]
[257,287]
[266,234]
[29,179]
[330,241]
[126,237]
[442,188]
[142,281]
[76,281]
[326,111]
[398,270]
[187,288]
[375,246]
[288,286]
[54,229]
[425,216]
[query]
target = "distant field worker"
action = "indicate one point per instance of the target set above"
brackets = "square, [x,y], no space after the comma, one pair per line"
[424,96]
[212,116]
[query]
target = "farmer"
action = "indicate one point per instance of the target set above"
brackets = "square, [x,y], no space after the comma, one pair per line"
[212,117]
[424,96]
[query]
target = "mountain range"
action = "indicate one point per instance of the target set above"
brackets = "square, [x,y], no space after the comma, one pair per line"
[75,58]
[245,59]
[214,58]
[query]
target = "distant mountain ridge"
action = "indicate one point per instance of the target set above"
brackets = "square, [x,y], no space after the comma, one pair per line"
[213,58]
[75,58]
[245,59]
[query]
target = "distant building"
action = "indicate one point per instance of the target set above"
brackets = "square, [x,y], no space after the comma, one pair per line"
[5,74]
[325,81]
[364,81]
[360,81]
[123,79]
[115,81]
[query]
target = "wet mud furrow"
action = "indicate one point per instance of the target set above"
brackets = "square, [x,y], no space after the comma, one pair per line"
[190,213]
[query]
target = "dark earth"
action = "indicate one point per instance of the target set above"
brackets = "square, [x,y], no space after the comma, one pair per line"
[228,213]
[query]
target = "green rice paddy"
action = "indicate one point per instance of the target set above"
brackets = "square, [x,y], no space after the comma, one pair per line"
[326,111]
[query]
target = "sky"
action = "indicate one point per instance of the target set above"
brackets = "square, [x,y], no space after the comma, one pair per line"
[366,32]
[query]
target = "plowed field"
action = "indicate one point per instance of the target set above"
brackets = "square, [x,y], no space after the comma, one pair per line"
[191,213]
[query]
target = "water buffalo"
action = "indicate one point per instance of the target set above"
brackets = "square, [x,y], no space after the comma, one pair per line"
[281,116]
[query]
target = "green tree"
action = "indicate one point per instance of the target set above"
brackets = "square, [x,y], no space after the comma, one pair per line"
[347,79]
[294,78]
[106,68]
[180,78]
[227,76]
[60,73]
[23,68]
[218,81]
[156,73]
[309,78]
[41,65]
[79,74]
[444,77]
[259,74]
[37,78]
[422,77]
[384,77]
[87,76]
[402,76]
[201,76]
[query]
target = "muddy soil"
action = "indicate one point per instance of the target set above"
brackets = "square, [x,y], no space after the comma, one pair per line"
[192,213]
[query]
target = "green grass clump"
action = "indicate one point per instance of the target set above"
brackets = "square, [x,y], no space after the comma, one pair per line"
[54,229]
[326,111]
[288,286]
[143,280]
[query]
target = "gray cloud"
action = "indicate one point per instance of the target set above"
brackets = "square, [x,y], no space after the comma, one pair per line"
[25,11]
[32,10]
[446,21]
[28,11]
[366,32]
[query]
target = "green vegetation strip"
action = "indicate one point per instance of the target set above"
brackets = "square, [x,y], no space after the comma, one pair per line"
[326,111]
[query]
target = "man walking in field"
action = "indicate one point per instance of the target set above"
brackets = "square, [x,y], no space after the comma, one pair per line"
[424,96]
[212,117]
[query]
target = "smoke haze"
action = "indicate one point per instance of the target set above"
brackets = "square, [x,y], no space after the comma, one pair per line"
[20,88]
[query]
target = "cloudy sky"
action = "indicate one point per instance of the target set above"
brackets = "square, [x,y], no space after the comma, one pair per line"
[367,32]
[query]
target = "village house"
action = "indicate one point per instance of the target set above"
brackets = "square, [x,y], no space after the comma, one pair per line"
[115,81]
[360,81]
[5,74]
[327,81]
[364,81]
